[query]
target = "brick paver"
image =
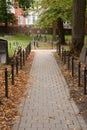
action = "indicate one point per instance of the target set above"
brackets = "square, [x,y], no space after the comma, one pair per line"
[47,106]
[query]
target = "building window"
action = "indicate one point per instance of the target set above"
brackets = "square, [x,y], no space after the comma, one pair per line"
[33,19]
[20,19]
[27,20]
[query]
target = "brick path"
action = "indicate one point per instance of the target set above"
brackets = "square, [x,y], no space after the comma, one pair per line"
[47,106]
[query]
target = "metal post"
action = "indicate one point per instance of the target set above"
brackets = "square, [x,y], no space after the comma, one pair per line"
[64,56]
[62,53]
[17,65]
[85,80]
[59,48]
[72,66]
[26,53]
[79,73]
[6,83]
[68,61]
[52,44]
[23,57]
[12,72]
[29,47]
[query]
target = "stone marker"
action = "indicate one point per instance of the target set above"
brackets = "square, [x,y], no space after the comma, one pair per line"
[3,51]
[83,55]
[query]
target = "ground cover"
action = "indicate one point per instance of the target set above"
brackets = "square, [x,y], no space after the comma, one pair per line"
[9,106]
[76,92]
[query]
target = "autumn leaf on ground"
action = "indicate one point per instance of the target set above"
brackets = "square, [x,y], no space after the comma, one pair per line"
[9,107]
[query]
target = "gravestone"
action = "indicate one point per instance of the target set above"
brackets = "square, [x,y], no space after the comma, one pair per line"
[3,51]
[83,55]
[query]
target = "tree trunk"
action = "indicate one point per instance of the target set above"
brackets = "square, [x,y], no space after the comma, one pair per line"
[6,23]
[54,30]
[61,31]
[78,25]
[5,11]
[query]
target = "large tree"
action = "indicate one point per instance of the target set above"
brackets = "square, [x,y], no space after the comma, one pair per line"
[6,16]
[78,25]
[56,12]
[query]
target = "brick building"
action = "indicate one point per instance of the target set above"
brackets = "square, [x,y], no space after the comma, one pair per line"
[21,19]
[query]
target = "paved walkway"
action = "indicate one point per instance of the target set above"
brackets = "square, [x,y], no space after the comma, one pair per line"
[47,106]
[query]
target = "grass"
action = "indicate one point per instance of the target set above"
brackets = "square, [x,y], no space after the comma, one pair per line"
[15,41]
[69,38]
[23,40]
[45,45]
[49,37]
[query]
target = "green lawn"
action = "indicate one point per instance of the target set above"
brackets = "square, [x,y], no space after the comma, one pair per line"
[15,41]
[24,40]
[69,37]
[45,45]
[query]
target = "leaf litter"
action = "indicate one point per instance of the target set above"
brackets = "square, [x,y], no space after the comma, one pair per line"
[9,106]
[76,92]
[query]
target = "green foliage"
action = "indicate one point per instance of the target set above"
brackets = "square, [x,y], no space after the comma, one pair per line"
[54,9]
[25,4]
[5,13]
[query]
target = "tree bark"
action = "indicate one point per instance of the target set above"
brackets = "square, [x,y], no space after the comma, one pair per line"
[54,31]
[61,31]
[78,26]
[6,21]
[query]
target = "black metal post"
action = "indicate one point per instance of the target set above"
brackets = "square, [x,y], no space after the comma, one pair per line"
[12,72]
[79,73]
[64,56]
[59,48]
[62,53]
[72,66]
[26,53]
[6,83]
[68,61]
[52,44]
[85,80]
[23,57]
[29,48]
[17,65]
